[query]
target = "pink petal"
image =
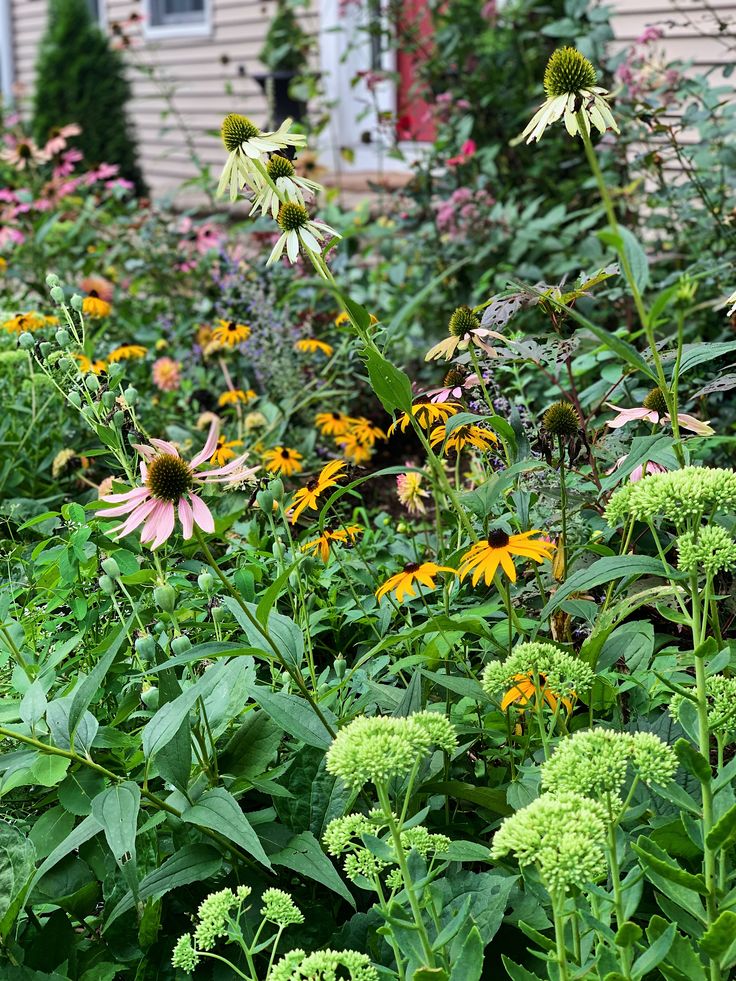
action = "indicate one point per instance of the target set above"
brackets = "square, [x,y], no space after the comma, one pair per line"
[202,515]
[694,425]
[630,415]
[127,508]
[165,524]
[165,447]
[147,452]
[209,447]
[186,517]
[150,528]
[137,516]
[129,495]
[225,469]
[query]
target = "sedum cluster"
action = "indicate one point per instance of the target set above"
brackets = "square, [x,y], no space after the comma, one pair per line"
[683,496]
[562,835]
[595,763]
[708,550]
[324,965]
[213,917]
[564,674]
[279,908]
[721,696]
[375,750]
[344,836]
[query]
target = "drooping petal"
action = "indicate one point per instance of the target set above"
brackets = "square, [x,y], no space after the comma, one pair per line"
[136,518]
[209,447]
[202,514]
[147,452]
[507,564]
[186,517]
[129,495]
[292,246]
[165,524]
[164,446]
[694,425]
[150,528]
[127,508]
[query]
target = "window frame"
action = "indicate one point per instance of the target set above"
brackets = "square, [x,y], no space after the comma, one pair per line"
[194,29]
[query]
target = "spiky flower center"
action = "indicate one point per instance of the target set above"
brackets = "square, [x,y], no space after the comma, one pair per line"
[292,216]
[568,71]
[561,419]
[454,377]
[279,166]
[655,402]
[169,477]
[462,321]
[236,129]
[498,538]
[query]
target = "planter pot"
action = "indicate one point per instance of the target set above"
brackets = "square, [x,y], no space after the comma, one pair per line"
[281,106]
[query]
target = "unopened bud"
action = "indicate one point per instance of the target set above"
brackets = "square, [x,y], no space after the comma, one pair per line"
[131,395]
[206,581]
[57,294]
[26,341]
[75,398]
[165,598]
[180,645]
[76,302]
[106,585]
[92,383]
[111,568]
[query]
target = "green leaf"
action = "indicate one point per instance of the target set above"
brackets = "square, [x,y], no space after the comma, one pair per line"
[391,385]
[606,570]
[654,954]
[165,724]
[285,634]
[693,761]
[467,962]
[219,811]
[62,733]
[490,798]
[655,858]
[516,972]
[719,936]
[467,851]
[83,832]
[304,855]
[429,974]
[117,811]
[695,354]
[295,716]
[85,691]
[723,832]
[628,934]
[17,860]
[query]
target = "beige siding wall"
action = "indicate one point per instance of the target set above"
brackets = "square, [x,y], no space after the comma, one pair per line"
[195,81]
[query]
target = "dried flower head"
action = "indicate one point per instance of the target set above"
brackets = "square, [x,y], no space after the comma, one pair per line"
[561,420]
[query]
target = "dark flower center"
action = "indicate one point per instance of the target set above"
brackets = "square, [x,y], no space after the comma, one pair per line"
[337,416]
[462,321]
[498,538]
[236,129]
[412,567]
[568,71]
[285,455]
[292,216]
[561,419]
[279,166]
[313,484]
[169,477]
[94,294]
[654,401]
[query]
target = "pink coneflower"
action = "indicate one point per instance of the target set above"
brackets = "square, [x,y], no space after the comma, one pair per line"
[169,480]
[98,285]
[410,492]
[654,410]
[643,470]
[166,374]
[22,153]
[455,386]
[57,141]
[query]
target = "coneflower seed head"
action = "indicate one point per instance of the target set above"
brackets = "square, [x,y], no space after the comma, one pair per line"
[236,129]
[568,71]
[654,400]
[279,166]
[462,321]
[292,216]
[168,477]
[561,419]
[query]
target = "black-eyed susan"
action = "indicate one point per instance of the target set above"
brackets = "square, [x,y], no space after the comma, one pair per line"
[343,318]
[484,558]
[426,414]
[94,306]
[30,321]
[333,423]
[413,575]
[332,536]
[461,436]
[127,352]
[236,396]
[354,449]
[365,431]
[524,689]
[229,333]
[87,364]
[308,496]
[224,450]
[282,459]
[310,345]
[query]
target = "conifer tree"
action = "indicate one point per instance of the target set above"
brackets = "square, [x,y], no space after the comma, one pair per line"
[80,79]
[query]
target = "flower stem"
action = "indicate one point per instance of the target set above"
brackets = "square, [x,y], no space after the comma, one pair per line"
[563,505]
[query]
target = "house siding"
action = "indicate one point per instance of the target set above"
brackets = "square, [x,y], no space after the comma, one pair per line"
[192,82]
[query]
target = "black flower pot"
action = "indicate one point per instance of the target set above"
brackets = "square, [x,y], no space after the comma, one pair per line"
[281,106]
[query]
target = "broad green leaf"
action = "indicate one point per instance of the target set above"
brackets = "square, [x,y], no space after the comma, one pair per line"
[723,832]
[391,385]
[489,798]
[285,634]
[467,962]
[63,735]
[116,809]
[696,354]
[720,936]
[85,830]
[605,570]
[33,704]
[693,761]
[304,855]
[516,972]
[219,811]
[655,858]
[85,692]
[17,859]
[165,724]
[654,954]
[295,717]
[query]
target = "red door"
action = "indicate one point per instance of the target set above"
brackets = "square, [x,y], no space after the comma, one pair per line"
[414,118]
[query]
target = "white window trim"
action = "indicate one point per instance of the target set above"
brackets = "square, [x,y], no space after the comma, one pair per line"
[160,32]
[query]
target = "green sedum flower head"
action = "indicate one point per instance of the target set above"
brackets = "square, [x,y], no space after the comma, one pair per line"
[324,965]
[184,955]
[213,914]
[708,551]
[565,674]
[568,71]
[721,695]
[595,762]
[375,750]
[279,908]
[563,836]
[683,496]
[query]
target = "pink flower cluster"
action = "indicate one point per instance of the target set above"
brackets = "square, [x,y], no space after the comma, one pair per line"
[465,213]
[645,74]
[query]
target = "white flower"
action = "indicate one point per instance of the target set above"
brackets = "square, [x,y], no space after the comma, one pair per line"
[299,231]
[286,186]
[246,146]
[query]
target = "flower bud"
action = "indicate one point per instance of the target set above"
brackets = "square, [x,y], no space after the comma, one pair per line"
[26,341]
[164,597]
[76,302]
[278,550]
[45,348]
[64,364]
[180,645]
[57,294]
[118,419]
[52,280]
[277,489]
[108,399]
[130,395]
[106,585]
[146,648]
[111,568]
[75,398]
[115,372]
[264,500]
[149,697]
[62,337]
[92,383]
[340,665]
[219,613]
[206,581]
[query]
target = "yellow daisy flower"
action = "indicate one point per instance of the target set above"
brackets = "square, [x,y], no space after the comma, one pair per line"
[30,321]
[283,460]
[310,345]
[342,318]
[235,395]
[229,333]
[333,423]
[330,537]
[524,690]
[426,414]
[353,449]
[127,351]
[86,364]
[365,431]
[485,556]
[224,451]
[307,496]
[404,583]
[462,436]
[94,306]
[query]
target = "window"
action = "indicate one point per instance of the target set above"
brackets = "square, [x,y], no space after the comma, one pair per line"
[177,17]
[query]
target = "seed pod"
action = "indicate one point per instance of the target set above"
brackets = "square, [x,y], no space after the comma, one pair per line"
[106,585]
[180,645]
[165,598]
[146,648]
[111,568]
